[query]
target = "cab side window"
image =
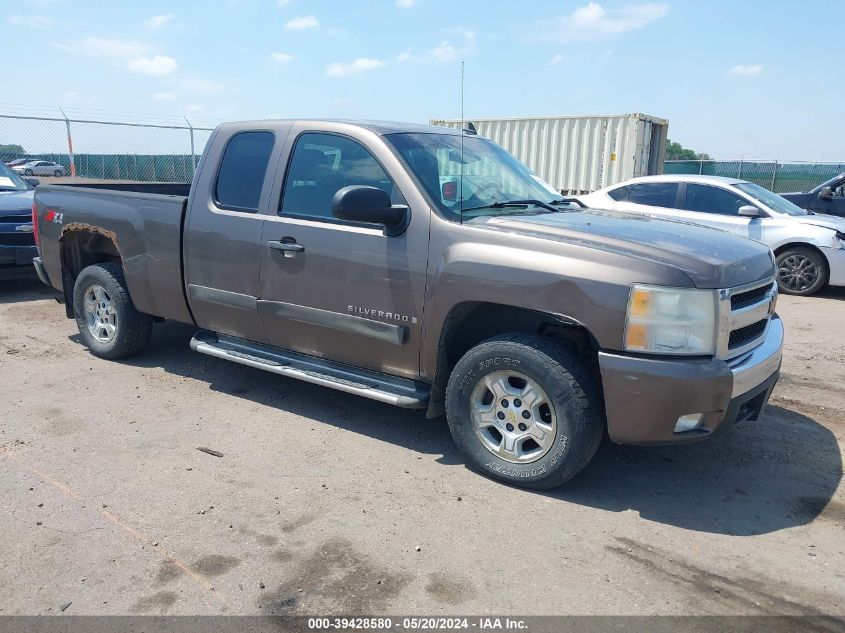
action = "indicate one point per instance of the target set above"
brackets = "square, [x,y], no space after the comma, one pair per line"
[321,165]
[242,171]
[707,199]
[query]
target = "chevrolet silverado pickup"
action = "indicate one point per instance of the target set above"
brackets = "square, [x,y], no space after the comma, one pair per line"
[428,268]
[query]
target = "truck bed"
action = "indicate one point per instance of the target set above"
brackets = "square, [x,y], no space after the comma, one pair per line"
[164,188]
[144,226]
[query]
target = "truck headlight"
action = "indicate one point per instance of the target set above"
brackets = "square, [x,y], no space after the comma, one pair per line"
[664,320]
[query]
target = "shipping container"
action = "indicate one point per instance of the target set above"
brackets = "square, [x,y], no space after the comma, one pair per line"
[579,154]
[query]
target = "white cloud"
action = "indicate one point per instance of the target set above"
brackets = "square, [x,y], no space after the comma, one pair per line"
[32,21]
[555,59]
[592,22]
[164,96]
[156,66]
[282,58]
[158,21]
[360,65]
[405,55]
[108,48]
[753,69]
[283,3]
[447,52]
[405,4]
[135,56]
[302,23]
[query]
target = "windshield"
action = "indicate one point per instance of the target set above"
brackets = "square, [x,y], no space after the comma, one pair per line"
[464,183]
[10,181]
[771,200]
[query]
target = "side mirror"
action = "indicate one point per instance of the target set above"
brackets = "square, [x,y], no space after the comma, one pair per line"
[33,181]
[825,193]
[749,211]
[370,205]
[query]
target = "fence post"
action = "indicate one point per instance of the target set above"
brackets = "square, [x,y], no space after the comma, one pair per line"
[739,175]
[700,167]
[774,176]
[69,144]
[193,153]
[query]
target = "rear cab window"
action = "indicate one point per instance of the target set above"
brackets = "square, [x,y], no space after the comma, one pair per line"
[242,171]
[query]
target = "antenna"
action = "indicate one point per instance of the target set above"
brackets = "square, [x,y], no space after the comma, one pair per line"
[461,168]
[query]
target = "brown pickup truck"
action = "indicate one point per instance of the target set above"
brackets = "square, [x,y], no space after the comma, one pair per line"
[428,268]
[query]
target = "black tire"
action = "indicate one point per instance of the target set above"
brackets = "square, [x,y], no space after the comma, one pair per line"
[790,260]
[27,172]
[132,329]
[572,392]
[58,173]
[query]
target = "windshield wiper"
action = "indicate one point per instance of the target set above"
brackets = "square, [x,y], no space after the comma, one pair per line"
[514,203]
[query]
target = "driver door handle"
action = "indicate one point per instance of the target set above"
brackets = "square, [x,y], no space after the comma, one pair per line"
[286,244]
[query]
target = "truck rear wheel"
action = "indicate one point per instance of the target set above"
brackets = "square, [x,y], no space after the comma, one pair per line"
[110,325]
[524,411]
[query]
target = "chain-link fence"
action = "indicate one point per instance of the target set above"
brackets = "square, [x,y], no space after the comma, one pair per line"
[94,149]
[778,176]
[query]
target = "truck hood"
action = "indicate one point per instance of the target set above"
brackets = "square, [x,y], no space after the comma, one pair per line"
[819,219]
[711,258]
[15,202]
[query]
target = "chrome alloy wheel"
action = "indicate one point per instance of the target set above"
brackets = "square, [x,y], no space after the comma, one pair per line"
[797,273]
[513,417]
[100,315]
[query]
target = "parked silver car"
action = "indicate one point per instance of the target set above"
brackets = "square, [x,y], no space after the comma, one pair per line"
[809,247]
[40,168]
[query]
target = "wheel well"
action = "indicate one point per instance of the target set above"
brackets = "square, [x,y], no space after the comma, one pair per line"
[81,248]
[786,247]
[470,323]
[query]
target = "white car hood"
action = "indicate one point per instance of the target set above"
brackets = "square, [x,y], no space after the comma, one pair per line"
[827,221]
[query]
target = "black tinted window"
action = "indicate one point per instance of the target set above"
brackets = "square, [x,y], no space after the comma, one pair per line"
[322,164]
[242,170]
[619,194]
[707,199]
[655,194]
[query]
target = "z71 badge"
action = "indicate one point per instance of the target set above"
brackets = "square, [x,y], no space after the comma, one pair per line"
[55,217]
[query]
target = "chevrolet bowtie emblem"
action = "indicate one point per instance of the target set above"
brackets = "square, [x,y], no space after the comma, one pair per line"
[24,228]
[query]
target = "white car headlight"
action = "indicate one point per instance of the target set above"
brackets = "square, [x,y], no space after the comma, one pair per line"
[664,320]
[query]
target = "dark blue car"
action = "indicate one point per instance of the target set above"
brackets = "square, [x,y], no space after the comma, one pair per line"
[17,241]
[828,197]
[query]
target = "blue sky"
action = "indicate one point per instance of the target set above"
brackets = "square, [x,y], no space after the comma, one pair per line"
[740,78]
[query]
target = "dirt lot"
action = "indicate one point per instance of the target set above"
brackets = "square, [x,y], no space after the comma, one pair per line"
[325,503]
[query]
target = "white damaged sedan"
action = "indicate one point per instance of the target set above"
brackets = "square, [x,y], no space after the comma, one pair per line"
[809,247]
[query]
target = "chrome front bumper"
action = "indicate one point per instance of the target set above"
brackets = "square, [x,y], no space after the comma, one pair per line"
[755,367]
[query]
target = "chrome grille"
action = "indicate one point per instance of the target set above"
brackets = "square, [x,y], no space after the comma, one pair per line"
[743,335]
[23,218]
[744,315]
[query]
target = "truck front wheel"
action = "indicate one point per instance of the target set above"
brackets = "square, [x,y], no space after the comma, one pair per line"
[110,325]
[524,411]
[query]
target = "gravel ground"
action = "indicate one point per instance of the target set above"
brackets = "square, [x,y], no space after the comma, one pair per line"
[326,503]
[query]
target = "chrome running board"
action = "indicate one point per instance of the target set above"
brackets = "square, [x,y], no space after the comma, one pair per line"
[400,392]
